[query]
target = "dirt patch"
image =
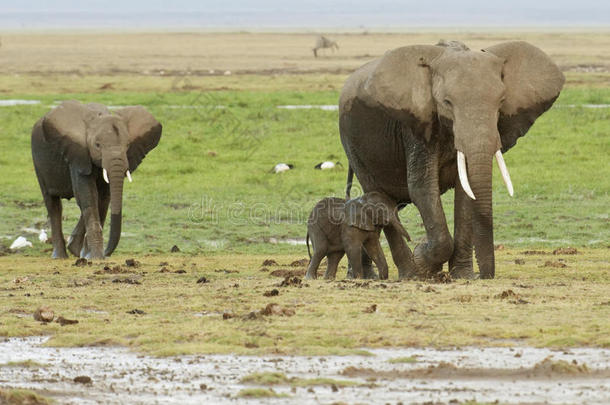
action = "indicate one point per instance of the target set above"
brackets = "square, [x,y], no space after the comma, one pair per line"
[554,264]
[118,269]
[300,263]
[565,251]
[287,273]
[83,379]
[132,263]
[275,309]
[534,252]
[175,249]
[64,321]
[269,262]
[370,309]
[292,282]
[520,262]
[44,314]
[127,280]
[82,262]
[544,370]
[271,293]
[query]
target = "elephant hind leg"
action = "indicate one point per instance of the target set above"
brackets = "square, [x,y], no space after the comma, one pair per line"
[333,263]
[54,208]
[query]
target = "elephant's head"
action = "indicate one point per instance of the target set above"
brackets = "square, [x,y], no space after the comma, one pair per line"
[91,138]
[373,210]
[486,99]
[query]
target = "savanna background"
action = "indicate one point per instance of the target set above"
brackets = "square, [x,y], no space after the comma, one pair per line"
[207,189]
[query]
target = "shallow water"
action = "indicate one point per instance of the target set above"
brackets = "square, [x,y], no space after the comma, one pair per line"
[10,103]
[120,376]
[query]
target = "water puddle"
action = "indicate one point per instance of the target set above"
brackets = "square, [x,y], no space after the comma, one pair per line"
[331,107]
[410,375]
[10,103]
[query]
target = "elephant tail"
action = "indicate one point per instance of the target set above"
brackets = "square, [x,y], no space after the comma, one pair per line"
[350,180]
[307,242]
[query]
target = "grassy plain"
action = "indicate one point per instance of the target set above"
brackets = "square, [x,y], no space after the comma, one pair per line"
[207,189]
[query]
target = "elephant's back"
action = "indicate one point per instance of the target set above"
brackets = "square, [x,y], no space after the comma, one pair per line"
[328,212]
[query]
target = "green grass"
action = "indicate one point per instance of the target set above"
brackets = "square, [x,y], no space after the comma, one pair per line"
[23,397]
[400,360]
[230,203]
[259,393]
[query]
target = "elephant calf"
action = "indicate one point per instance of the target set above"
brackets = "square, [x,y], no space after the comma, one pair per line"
[336,226]
[84,151]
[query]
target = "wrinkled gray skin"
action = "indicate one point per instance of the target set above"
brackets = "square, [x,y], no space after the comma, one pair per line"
[404,117]
[337,227]
[324,43]
[71,145]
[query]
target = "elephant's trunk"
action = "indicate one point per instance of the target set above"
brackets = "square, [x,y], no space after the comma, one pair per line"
[116,177]
[479,174]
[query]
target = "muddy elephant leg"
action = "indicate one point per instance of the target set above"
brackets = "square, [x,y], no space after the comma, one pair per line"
[460,263]
[401,254]
[77,238]
[103,203]
[54,208]
[425,194]
[354,255]
[367,267]
[86,195]
[373,247]
[319,244]
[333,260]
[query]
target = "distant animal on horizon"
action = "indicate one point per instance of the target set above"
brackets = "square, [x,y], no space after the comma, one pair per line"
[337,227]
[84,151]
[324,43]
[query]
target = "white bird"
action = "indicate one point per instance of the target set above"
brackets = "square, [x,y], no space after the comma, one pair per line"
[42,236]
[20,243]
[327,165]
[281,167]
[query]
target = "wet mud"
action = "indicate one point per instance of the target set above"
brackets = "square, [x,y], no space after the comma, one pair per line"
[111,375]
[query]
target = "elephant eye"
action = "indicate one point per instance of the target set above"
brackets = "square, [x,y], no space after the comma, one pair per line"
[447,102]
[98,145]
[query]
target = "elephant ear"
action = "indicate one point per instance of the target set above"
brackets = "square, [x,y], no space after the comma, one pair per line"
[66,126]
[533,83]
[357,215]
[144,133]
[400,84]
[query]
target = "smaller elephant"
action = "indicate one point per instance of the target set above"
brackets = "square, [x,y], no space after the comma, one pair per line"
[336,226]
[85,151]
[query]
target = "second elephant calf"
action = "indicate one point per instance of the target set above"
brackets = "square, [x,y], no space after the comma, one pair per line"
[336,226]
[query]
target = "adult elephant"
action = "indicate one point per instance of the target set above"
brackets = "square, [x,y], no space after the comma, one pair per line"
[421,117]
[84,151]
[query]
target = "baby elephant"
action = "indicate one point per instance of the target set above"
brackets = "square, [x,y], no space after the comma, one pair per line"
[336,227]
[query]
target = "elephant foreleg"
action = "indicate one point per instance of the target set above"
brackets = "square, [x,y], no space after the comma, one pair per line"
[460,263]
[86,195]
[423,181]
[373,248]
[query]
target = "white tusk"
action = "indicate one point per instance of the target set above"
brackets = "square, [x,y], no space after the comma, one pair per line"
[129,176]
[461,162]
[106,176]
[504,171]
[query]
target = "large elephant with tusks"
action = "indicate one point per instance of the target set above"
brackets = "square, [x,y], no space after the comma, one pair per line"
[423,119]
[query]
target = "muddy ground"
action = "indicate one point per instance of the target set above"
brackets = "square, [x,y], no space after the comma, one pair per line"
[115,375]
